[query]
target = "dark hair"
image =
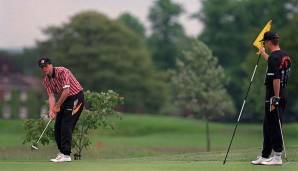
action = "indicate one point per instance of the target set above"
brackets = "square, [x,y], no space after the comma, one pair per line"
[275,41]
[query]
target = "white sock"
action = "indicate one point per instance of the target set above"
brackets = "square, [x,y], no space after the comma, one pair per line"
[278,155]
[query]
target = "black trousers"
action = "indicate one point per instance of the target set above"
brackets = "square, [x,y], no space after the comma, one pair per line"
[66,120]
[271,128]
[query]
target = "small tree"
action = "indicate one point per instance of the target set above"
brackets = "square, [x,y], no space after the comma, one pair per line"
[99,107]
[199,84]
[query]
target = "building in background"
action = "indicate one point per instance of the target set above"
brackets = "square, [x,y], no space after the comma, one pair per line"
[19,94]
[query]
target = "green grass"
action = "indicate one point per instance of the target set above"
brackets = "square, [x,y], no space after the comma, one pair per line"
[142,165]
[12,133]
[142,142]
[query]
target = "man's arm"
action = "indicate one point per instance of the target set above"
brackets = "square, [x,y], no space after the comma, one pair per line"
[62,98]
[51,105]
[65,82]
[276,87]
[263,53]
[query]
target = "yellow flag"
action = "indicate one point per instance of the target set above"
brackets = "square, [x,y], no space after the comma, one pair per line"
[257,43]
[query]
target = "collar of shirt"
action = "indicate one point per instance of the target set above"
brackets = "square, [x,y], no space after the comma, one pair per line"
[53,74]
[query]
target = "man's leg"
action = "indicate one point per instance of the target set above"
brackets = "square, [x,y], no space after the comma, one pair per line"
[57,130]
[69,121]
[276,140]
[267,145]
[276,131]
[66,133]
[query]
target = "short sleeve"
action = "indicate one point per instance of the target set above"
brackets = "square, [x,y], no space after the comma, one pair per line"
[275,63]
[65,74]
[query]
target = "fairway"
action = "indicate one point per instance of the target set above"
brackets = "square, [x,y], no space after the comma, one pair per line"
[149,143]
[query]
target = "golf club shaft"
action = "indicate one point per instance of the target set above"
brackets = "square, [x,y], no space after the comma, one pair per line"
[43,131]
[243,105]
[282,136]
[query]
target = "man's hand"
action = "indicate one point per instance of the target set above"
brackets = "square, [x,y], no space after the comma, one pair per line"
[261,51]
[56,108]
[52,115]
[274,102]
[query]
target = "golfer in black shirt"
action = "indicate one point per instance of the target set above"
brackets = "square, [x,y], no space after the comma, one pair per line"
[275,101]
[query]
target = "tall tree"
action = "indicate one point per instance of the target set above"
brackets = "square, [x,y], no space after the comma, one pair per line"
[200,85]
[106,55]
[230,28]
[167,33]
[229,25]
[133,23]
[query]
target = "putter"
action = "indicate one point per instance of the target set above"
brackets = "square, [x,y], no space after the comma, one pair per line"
[34,146]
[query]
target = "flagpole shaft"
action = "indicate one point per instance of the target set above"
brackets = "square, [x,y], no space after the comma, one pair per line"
[242,108]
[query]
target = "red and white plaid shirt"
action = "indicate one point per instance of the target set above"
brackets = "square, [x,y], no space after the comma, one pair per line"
[62,78]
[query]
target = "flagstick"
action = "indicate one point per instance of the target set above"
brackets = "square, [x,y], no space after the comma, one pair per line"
[243,104]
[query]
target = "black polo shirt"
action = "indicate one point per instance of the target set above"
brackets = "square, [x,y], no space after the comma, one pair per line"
[273,70]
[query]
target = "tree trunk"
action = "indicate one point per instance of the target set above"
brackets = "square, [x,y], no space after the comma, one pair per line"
[208,143]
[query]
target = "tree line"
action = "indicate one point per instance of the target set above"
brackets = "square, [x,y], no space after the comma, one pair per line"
[146,69]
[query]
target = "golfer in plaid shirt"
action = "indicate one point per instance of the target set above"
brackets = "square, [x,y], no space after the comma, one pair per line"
[60,82]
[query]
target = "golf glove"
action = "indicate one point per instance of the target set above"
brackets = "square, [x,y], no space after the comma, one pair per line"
[275,101]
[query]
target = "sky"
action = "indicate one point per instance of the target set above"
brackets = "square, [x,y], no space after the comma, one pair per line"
[22,21]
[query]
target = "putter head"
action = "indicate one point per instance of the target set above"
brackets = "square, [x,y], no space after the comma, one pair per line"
[34,147]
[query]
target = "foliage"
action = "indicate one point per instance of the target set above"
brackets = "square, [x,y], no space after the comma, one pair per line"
[289,42]
[105,54]
[230,27]
[34,128]
[133,23]
[100,106]
[255,105]
[255,101]
[168,37]
[34,104]
[199,84]
[239,22]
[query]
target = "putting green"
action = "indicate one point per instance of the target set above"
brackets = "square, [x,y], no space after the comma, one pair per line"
[141,165]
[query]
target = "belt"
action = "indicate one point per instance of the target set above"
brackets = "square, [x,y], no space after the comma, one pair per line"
[270,73]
